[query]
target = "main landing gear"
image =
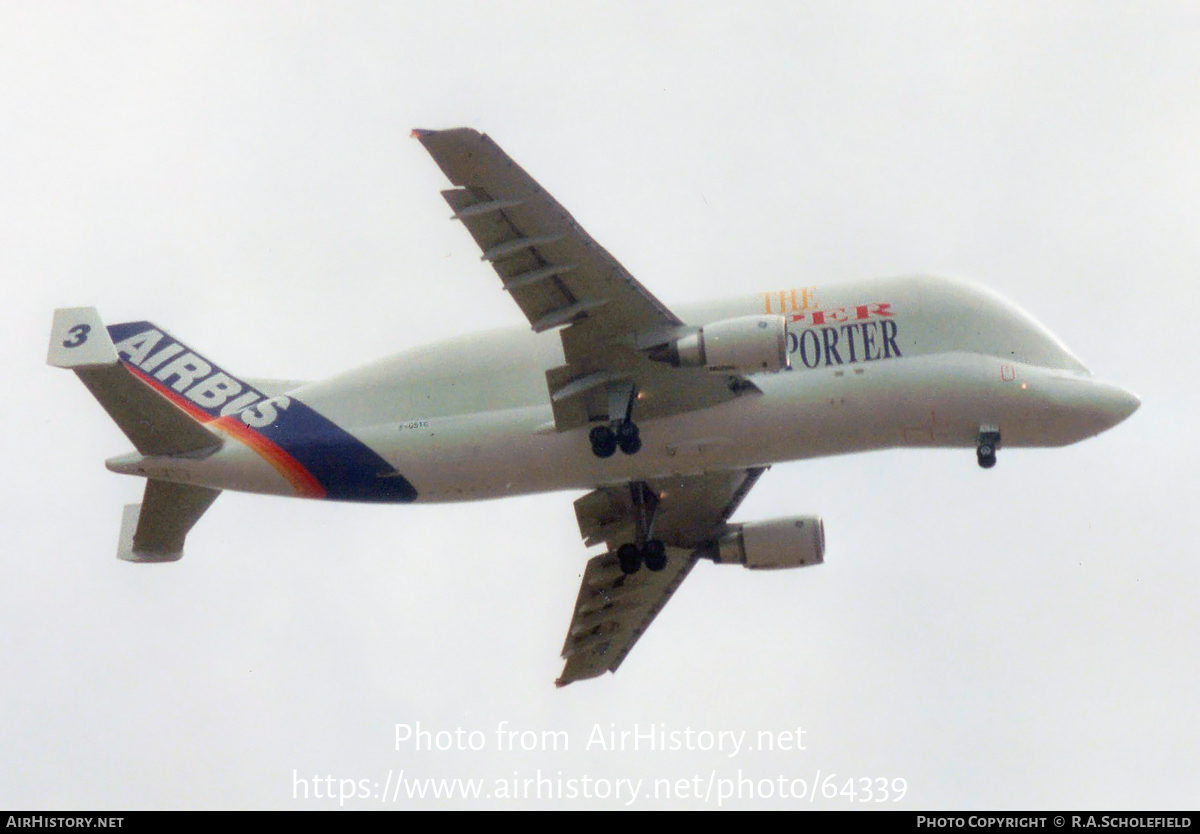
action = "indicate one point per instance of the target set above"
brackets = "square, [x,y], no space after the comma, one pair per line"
[644,551]
[986,446]
[621,432]
[652,554]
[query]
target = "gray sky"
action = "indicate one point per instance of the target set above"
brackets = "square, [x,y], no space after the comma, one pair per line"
[1025,637]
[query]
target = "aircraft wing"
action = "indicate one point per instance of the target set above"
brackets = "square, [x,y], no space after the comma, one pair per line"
[558,275]
[614,609]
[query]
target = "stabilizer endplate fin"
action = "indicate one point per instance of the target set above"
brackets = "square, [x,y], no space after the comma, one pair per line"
[154,530]
[78,339]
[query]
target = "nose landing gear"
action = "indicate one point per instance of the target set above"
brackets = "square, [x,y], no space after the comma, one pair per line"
[986,446]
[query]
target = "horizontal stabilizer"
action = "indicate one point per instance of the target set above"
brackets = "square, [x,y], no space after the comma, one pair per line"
[154,424]
[154,530]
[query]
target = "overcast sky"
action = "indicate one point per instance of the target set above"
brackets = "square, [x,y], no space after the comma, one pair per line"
[1025,637]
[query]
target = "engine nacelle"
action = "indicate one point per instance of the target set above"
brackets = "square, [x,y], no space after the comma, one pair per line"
[749,344]
[791,542]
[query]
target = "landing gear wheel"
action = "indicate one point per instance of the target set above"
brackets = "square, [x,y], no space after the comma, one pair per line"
[630,558]
[604,442]
[655,555]
[628,437]
[986,446]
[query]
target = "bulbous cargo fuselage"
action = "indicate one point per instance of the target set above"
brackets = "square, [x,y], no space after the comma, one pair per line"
[909,361]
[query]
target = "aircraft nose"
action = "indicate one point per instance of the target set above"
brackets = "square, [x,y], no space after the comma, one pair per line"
[1117,402]
[1090,405]
[1112,403]
[1129,403]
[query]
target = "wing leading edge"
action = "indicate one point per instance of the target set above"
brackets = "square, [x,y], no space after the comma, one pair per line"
[560,277]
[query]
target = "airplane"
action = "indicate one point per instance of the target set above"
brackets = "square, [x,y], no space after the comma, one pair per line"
[667,416]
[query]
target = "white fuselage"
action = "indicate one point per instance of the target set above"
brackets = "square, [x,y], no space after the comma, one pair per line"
[914,361]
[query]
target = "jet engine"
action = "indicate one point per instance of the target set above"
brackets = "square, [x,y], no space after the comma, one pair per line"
[748,344]
[790,542]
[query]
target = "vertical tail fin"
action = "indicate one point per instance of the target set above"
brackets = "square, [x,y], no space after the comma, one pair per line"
[154,530]
[153,423]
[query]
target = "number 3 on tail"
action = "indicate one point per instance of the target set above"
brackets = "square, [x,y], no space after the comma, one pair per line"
[78,334]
